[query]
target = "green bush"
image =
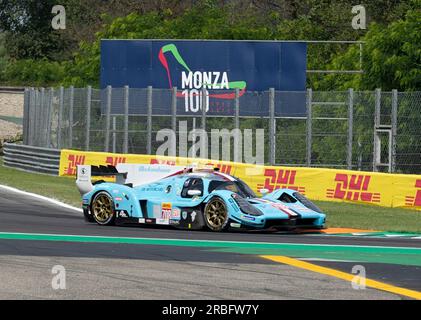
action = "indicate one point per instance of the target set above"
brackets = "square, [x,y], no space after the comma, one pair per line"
[32,73]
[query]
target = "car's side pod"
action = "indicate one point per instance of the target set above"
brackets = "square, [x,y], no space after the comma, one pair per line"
[84,174]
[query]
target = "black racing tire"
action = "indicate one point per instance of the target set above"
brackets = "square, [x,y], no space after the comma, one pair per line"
[88,216]
[215,214]
[102,209]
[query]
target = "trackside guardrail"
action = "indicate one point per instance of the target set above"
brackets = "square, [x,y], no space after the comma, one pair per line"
[34,159]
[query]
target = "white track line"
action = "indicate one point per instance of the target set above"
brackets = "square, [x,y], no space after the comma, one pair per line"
[37,196]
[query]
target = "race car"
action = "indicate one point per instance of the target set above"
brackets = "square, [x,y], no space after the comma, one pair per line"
[189,198]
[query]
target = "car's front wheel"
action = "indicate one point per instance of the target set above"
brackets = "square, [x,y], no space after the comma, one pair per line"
[102,209]
[216,214]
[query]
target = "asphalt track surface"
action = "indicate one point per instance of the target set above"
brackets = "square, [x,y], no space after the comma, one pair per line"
[161,264]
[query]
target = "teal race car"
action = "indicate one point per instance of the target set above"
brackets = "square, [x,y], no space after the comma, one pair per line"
[189,198]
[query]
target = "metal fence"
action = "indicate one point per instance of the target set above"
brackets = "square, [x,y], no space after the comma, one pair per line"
[371,130]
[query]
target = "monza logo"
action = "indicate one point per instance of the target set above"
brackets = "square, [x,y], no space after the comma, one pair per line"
[193,81]
[113,161]
[280,179]
[353,187]
[414,201]
[73,161]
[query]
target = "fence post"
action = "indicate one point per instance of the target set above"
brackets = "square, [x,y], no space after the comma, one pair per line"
[149,122]
[126,120]
[72,100]
[237,109]
[394,127]
[49,111]
[309,125]
[88,117]
[272,120]
[376,139]
[114,128]
[174,109]
[40,118]
[204,146]
[26,116]
[350,126]
[60,116]
[107,119]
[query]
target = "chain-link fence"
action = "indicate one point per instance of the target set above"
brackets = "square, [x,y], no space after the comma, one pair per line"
[373,130]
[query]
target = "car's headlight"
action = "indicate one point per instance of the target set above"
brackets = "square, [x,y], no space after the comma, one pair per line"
[245,206]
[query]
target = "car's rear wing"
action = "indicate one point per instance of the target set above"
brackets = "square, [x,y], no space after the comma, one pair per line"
[129,174]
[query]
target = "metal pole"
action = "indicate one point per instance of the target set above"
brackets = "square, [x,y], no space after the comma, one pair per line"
[149,122]
[203,103]
[107,119]
[394,128]
[88,117]
[60,116]
[174,115]
[126,120]
[114,134]
[193,148]
[376,141]
[272,126]
[41,118]
[174,109]
[49,111]
[204,144]
[350,126]
[72,99]
[309,125]
[31,116]
[237,109]
[25,128]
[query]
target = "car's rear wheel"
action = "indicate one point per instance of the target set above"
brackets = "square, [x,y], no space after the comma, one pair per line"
[216,214]
[102,209]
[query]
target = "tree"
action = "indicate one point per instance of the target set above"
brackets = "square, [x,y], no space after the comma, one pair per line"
[391,58]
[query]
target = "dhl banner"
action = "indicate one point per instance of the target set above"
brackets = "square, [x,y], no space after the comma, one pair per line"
[383,189]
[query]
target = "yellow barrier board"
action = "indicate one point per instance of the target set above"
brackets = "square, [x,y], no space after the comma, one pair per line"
[383,189]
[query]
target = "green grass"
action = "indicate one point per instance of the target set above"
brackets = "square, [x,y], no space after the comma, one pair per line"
[59,188]
[344,215]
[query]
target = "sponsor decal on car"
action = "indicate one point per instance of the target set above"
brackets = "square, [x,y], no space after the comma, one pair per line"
[122,214]
[166,209]
[248,218]
[141,220]
[193,216]
[284,209]
[175,213]
[184,215]
[162,221]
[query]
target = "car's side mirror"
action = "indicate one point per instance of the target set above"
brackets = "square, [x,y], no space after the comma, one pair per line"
[264,191]
[194,192]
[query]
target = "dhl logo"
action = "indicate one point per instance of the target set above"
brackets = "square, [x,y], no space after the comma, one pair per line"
[414,201]
[73,161]
[352,187]
[280,179]
[113,161]
[167,162]
[224,168]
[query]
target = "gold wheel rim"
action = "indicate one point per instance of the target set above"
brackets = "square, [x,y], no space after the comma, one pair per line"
[216,213]
[102,208]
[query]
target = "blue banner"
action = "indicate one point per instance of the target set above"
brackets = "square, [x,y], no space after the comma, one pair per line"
[221,67]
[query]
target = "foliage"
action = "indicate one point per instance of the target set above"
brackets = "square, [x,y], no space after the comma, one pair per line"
[391,58]
[30,72]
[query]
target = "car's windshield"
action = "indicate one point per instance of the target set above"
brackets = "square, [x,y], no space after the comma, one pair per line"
[238,187]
